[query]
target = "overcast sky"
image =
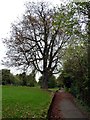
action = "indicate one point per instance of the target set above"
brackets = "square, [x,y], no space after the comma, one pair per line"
[10,10]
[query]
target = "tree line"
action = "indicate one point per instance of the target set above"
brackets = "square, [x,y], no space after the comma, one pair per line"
[19,79]
[23,79]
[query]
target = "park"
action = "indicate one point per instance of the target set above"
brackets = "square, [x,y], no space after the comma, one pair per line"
[54,42]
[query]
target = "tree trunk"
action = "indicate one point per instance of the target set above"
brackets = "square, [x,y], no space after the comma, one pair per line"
[45,81]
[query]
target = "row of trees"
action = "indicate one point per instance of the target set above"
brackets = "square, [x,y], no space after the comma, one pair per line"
[25,80]
[19,79]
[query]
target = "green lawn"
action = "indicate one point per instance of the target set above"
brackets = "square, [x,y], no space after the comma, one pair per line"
[53,89]
[24,102]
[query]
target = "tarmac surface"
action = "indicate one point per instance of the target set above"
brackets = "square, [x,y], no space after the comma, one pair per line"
[63,107]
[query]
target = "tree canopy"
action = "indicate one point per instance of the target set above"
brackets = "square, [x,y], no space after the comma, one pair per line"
[41,38]
[37,42]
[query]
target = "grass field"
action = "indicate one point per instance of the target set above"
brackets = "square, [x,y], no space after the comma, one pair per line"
[53,89]
[24,102]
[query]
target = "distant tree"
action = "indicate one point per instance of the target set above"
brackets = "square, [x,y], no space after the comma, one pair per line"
[5,77]
[26,80]
[23,79]
[31,81]
[64,79]
[60,82]
[38,41]
[12,79]
[18,81]
[52,83]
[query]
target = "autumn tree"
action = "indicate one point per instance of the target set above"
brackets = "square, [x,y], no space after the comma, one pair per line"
[37,42]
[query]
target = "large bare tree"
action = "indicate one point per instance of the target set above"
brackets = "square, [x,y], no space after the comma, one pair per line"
[37,42]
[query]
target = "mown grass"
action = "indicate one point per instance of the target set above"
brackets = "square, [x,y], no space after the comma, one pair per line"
[53,89]
[24,102]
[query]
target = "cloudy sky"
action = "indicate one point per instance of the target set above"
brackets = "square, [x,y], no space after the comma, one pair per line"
[10,10]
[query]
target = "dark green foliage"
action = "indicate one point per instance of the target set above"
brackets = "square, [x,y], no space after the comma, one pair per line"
[60,81]
[27,80]
[7,77]
[52,82]
[67,81]
[22,78]
[83,9]
[19,79]
[31,80]
[75,71]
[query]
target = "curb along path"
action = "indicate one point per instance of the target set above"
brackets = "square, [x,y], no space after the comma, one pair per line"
[63,107]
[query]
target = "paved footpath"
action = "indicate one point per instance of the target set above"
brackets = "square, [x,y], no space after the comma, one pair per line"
[69,110]
[64,107]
